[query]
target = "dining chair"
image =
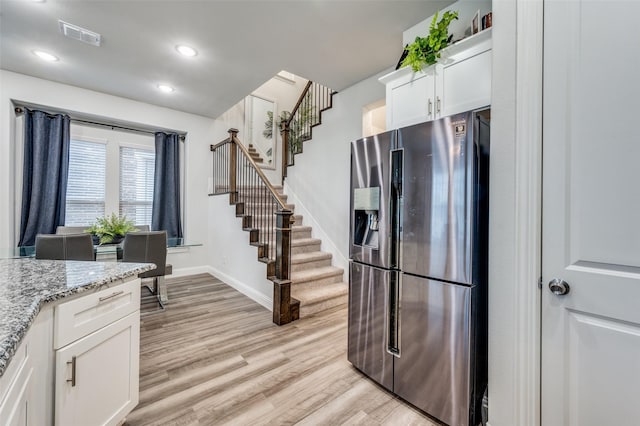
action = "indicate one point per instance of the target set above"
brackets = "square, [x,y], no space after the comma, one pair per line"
[149,247]
[61,230]
[64,247]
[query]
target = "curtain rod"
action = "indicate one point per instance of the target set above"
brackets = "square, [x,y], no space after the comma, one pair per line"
[181,136]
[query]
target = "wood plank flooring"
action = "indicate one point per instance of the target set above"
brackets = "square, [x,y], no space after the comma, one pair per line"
[214,357]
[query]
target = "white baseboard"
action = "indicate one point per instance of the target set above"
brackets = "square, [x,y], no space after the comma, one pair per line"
[195,270]
[243,288]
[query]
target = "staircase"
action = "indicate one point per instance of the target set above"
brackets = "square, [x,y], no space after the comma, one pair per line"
[306,114]
[316,284]
[305,281]
[253,152]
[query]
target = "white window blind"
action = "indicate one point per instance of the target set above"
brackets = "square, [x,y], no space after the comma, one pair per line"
[136,184]
[86,183]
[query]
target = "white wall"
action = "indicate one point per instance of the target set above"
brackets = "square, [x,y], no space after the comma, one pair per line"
[318,183]
[201,132]
[232,259]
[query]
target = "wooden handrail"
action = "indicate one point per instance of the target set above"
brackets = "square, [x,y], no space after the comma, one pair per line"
[245,151]
[306,114]
[300,99]
[219,144]
[234,139]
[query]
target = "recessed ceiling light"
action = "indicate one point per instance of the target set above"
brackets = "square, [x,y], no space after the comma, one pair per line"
[45,56]
[186,50]
[165,88]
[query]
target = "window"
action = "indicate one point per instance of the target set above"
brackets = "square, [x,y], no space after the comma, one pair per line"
[136,184]
[110,171]
[86,182]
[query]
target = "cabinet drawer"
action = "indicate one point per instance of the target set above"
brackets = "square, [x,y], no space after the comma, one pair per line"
[92,311]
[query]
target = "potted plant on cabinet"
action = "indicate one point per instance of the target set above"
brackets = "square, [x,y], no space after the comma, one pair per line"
[426,50]
[111,229]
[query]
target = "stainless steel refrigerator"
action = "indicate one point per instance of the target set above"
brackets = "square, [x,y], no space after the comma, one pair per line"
[418,270]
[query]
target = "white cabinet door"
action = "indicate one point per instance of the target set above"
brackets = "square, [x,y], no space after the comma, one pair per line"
[97,376]
[26,396]
[410,99]
[15,407]
[591,233]
[464,85]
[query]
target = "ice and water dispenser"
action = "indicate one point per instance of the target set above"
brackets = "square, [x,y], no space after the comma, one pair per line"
[366,206]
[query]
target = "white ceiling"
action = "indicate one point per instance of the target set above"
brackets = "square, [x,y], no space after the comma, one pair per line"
[241,44]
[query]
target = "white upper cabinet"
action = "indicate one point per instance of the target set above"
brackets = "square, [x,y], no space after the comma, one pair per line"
[459,82]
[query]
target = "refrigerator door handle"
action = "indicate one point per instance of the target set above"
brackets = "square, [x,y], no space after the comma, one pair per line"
[393,326]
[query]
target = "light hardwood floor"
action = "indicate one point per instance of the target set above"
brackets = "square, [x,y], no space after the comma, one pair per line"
[214,357]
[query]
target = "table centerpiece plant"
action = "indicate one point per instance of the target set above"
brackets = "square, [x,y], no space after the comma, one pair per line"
[111,229]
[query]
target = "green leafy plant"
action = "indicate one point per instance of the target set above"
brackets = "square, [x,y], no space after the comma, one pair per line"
[110,228]
[426,50]
[299,126]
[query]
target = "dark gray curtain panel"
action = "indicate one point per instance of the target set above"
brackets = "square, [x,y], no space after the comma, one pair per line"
[44,177]
[165,215]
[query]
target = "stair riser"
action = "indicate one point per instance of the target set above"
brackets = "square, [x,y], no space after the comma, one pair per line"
[306,310]
[307,248]
[331,279]
[295,233]
[310,265]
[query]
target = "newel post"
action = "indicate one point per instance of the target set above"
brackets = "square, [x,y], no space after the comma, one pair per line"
[284,132]
[233,156]
[282,283]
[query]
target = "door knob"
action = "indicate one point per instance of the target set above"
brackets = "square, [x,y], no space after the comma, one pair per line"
[559,287]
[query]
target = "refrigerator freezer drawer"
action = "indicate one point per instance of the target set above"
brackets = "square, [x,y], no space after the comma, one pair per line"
[369,322]
[433,371]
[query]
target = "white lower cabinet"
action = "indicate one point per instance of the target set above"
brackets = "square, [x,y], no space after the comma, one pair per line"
[78,365]
[97,376]
[97,356]
[26,387]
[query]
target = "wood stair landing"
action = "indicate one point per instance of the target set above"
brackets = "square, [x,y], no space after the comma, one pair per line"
[316,284]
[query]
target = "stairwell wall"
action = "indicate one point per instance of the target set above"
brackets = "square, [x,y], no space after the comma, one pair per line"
[319,182]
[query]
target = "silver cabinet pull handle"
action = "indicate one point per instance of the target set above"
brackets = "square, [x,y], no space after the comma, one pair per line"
[430,107]
[438,104]
[73,371]
[111,296]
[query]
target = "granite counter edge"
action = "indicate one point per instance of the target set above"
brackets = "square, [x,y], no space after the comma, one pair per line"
[9,346]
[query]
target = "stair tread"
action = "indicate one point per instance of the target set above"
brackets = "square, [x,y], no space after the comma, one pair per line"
[310,257]
[315,274]
[305,241]
[321,293]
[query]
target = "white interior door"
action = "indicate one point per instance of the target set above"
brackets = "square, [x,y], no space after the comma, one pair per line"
[591,213]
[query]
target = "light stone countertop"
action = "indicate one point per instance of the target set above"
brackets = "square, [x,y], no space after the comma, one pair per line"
[27,284]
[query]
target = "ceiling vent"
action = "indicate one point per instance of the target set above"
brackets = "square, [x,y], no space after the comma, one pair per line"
[81,34]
